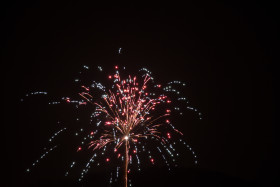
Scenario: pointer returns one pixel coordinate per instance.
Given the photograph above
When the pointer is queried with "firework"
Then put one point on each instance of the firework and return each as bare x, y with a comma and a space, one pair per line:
125, 119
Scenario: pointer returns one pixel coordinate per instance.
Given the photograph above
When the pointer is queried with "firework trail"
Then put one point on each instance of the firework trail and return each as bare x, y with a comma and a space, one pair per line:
131, 122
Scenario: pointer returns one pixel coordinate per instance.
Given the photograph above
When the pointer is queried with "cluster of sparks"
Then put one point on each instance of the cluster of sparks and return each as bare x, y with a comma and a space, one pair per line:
132, 113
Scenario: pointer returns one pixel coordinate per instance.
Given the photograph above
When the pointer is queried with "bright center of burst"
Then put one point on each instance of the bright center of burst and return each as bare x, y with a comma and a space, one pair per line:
126, 137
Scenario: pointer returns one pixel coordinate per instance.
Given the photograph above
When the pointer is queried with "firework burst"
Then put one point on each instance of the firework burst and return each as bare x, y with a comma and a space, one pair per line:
124, 119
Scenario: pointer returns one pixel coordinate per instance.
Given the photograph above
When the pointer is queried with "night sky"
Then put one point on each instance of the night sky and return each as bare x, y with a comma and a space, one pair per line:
224, 51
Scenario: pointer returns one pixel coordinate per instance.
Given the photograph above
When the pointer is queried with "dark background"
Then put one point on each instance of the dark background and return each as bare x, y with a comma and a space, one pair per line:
225, 51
